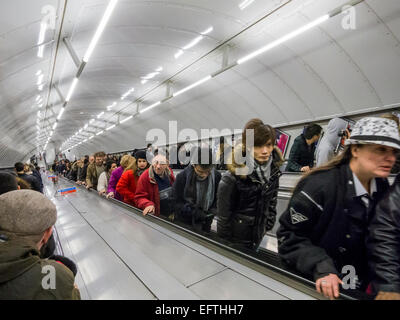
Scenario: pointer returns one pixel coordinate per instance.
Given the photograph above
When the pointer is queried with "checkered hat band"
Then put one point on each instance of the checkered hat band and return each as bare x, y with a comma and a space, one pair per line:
375, 138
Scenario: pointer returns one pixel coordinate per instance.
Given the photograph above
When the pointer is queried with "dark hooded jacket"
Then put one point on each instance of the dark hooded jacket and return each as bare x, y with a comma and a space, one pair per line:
247, 207
21, 275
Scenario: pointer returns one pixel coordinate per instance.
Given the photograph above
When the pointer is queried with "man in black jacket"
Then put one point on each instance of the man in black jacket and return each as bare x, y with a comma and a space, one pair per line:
195, 191
32, 180
384, 246
301, 158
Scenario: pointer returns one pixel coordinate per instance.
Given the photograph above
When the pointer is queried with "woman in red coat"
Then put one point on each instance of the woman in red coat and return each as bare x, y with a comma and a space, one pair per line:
126, 185
154, 188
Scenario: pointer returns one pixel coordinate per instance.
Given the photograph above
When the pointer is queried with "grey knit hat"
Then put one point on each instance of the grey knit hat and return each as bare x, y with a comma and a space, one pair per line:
376, 131
26, 213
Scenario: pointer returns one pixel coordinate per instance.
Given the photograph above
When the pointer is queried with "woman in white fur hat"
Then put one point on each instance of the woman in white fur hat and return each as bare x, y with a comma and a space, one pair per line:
323, 231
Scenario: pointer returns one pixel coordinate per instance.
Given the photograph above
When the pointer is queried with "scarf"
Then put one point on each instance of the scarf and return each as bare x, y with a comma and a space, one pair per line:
205, 201
262, 171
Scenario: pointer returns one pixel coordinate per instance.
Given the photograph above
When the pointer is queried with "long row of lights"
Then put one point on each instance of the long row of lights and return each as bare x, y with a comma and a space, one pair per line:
106, 16
192, 43
144, 80
247, 57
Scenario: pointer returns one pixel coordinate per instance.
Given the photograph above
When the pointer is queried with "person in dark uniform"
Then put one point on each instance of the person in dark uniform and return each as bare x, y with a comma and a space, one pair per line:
324, 227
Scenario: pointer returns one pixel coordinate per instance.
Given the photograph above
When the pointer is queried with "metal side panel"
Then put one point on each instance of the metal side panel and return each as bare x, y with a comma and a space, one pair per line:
247, 272
67, 252
230, 285
104, 274
101, 274
179, 260
158, 280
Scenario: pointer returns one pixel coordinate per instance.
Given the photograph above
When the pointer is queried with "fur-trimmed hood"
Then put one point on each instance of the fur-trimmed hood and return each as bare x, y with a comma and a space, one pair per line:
239, 153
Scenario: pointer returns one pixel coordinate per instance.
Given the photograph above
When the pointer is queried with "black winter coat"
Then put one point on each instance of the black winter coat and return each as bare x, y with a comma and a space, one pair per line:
37, 175
301, 155
184, 193
384, 242
320, 231
32, 180
246, 207
83, 173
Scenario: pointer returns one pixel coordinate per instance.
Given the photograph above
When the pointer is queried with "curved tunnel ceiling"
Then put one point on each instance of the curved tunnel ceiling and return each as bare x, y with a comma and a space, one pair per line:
156, 46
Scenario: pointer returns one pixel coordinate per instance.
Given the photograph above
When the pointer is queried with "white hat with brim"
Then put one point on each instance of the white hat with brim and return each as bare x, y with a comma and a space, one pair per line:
373, 130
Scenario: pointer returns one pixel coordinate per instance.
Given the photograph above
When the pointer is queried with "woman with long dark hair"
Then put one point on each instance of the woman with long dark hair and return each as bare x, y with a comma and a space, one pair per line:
325, 226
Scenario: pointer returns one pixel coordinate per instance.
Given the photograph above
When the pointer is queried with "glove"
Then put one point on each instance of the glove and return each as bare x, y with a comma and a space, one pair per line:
66, 262
270, 222
187, 210
200, 215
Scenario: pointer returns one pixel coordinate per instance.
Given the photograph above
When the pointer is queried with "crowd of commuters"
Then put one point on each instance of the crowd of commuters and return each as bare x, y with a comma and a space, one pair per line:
342, 212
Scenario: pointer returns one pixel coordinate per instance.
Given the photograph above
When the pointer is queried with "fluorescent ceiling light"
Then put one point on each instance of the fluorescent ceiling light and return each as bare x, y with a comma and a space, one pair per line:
111, 106
61, 113
100, 29
85, 140
193, 43
38, 98
150, 75
100, 115
178, 54
159, 69
39, 72
86, 125
91, 137
40, 79
40, 51
55, 126
111, 127
284, 39
72, 89
150, 107
40, 87
245, 4
80, 130
42, 33
144, 81
207, 31
192, 86
126, 94
99, 133
126, 119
